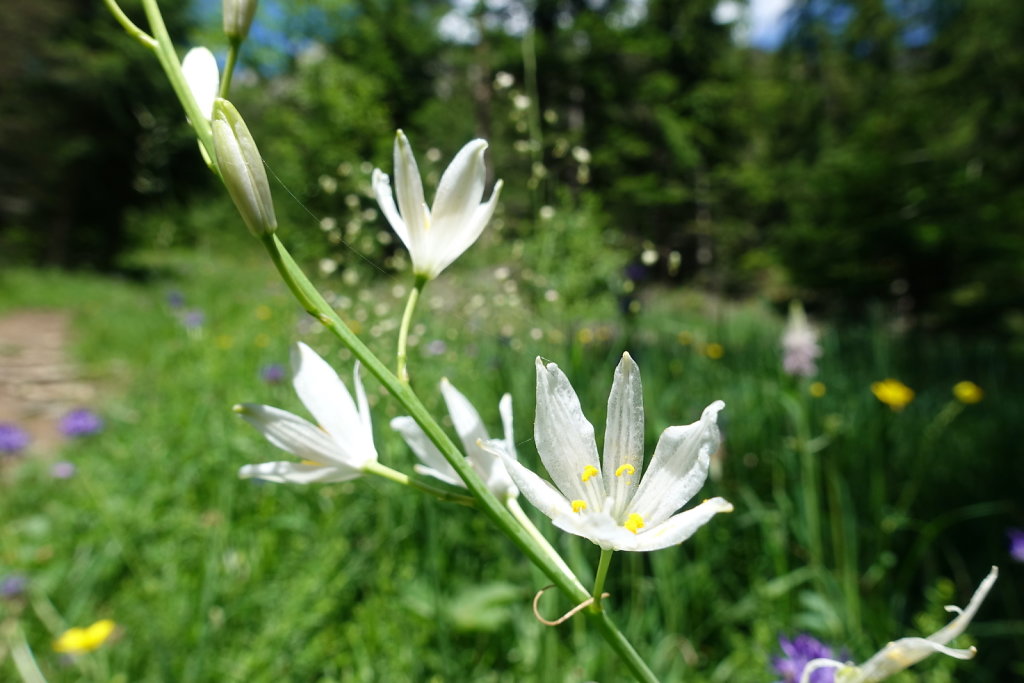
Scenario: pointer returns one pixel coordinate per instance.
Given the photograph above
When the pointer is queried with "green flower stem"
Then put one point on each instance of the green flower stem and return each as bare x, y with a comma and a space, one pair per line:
403, 332
315, 305
229, 68
512, 503
129, 27
602, 572
380, 470
168, 57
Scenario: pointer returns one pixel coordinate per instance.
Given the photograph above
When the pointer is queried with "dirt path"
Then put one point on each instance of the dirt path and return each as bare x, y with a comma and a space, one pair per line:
38, 381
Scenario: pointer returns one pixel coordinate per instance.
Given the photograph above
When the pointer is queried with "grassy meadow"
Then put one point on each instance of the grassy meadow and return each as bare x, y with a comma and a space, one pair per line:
854, 522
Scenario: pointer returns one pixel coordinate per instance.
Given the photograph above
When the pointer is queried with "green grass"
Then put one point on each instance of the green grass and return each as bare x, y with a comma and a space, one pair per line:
211, 578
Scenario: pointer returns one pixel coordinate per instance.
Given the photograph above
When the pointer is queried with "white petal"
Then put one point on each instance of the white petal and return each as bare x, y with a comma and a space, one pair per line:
903, 653
461, 186
202, 77
409, 191
565, 440
465, 417
678, 468
363, 406
325, 395
624, 436
540, 493
386, 202
676, 529
957, 626
293, 434
296, 473
463, 238
435, 464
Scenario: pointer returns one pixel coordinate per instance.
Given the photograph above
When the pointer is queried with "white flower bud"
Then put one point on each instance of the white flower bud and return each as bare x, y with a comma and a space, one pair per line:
241, 168
238, 18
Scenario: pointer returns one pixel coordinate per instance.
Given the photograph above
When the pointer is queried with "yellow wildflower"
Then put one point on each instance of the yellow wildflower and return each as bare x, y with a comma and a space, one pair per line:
893, 393
714, 350
968, 392
817, 389
78, 640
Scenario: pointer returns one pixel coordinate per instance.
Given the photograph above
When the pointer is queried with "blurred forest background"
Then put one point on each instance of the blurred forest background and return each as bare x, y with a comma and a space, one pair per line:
673, 179
872, 155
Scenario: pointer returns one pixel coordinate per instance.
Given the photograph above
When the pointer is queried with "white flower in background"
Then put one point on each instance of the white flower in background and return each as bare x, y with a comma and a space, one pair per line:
202, 77
436, 236
906, 652
607, 501
800, 348
337, 449
473, 434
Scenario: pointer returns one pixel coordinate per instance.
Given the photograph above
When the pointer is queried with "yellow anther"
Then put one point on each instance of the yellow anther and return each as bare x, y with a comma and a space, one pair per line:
625, 469
311, 463
589, 471
634, 522
579, 505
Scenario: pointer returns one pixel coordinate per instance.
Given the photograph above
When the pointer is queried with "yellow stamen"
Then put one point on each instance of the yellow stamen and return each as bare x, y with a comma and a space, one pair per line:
588, 472
634, 522
311, 463
579, 505
625, 469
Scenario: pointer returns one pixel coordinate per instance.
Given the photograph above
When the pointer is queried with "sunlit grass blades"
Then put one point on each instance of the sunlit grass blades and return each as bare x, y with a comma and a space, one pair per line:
607, 501
338, 449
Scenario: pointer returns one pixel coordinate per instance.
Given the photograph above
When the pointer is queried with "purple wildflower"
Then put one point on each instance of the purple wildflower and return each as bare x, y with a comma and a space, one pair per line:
175, 299
436, 347
272, 373
795, 655
13, 439
13, 586
194, 319
80, 422
1016, 543
800, 347
62, 470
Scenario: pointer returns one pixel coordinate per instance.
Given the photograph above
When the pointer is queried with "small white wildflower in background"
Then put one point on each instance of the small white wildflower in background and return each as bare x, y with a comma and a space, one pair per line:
800, 348
435, 237
606, 501
337, 449
503, 80
521, 102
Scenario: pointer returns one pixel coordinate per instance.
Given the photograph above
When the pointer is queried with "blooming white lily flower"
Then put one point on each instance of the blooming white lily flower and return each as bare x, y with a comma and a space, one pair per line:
473, 434
602, 501
336, 450
906, 652
202, 77
436, 236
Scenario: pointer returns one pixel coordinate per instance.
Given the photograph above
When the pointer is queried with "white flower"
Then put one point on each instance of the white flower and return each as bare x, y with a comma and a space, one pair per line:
602, 501
437, 236
906, 652
337, 449
202, 77
800, 348
473, 434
